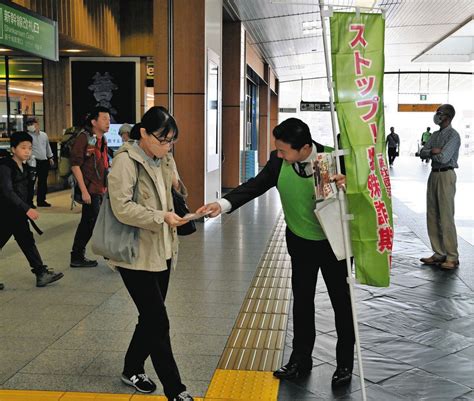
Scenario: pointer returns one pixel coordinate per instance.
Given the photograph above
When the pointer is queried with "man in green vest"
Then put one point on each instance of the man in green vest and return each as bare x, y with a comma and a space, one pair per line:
290, 170
424, 139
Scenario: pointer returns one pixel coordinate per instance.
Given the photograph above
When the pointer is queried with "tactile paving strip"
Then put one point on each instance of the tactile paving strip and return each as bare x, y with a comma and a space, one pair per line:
258, 337
242, 385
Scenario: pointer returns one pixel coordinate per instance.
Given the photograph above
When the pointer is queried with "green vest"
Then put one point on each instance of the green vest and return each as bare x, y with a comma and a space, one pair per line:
298, 202
426, 135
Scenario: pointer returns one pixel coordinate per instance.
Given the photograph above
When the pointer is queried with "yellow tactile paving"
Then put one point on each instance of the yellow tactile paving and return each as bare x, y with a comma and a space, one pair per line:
245, 385
96, 397
27, 395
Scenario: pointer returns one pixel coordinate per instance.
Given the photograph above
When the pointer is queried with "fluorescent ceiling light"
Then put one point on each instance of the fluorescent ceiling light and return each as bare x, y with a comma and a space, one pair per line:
26, 90
310, 31
309, 24
73, 50
364, 3
4, 50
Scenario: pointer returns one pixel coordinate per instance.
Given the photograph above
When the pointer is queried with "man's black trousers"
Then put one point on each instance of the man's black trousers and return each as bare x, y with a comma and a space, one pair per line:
307, 258
86, 225
42, 171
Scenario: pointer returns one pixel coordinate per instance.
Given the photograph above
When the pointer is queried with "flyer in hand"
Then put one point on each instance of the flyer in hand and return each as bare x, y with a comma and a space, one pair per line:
324, 169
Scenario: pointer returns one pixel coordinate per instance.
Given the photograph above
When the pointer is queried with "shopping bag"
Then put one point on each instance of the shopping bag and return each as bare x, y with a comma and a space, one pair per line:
328, 212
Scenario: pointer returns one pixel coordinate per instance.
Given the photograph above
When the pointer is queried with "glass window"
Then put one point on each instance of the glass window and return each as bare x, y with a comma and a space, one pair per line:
25, 67
3, 109
25, 93
3, 73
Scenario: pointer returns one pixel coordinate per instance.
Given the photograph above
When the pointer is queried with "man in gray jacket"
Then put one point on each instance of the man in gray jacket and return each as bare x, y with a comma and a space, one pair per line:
443, 150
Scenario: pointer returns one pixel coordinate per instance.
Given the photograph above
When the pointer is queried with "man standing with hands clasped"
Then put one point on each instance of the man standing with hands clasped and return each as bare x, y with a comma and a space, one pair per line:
43, 158
291, 171
443, 150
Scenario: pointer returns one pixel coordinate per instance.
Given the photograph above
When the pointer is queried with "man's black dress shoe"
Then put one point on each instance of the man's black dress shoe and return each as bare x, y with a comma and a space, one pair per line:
341, 377
291, 370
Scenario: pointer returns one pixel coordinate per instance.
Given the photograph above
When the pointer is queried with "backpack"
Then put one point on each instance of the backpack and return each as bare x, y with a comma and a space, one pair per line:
67, 142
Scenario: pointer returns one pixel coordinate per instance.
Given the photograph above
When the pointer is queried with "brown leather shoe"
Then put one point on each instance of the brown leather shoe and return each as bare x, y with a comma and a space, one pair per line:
450, 264
432, 260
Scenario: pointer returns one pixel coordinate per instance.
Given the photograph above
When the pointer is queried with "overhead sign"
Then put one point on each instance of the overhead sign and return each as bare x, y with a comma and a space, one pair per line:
287, 109
315, 106
24, 30
419, 107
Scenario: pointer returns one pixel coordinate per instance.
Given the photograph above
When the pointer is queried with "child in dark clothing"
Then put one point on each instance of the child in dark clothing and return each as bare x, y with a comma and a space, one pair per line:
15, 210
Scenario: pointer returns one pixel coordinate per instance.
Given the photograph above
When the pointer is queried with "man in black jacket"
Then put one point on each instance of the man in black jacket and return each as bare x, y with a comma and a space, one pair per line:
290, 170
15, 209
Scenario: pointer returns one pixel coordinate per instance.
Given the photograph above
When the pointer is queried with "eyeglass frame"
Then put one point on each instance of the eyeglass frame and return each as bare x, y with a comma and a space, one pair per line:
163, 141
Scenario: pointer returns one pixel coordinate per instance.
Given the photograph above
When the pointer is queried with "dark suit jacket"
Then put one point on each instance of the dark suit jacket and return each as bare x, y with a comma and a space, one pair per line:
266, 179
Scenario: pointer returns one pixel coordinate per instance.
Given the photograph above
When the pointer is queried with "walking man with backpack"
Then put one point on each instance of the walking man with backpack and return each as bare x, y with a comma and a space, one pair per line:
15, 211
89, 164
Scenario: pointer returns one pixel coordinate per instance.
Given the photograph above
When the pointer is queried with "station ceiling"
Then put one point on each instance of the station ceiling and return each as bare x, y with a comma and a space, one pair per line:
420, 35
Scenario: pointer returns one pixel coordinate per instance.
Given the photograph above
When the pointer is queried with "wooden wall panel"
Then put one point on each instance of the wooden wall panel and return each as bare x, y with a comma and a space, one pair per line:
160, 48
231, 147
88, 22
232, 117
231, 64
189, 150
189, 51
273, 83
273, 116
136, 27
56, 97
254, 60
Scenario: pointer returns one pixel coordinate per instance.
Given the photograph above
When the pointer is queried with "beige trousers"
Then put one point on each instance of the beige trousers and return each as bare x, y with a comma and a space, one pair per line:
440, 214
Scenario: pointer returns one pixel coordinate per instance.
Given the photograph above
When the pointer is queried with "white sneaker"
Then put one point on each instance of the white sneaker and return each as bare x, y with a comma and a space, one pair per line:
184, 396
141, 382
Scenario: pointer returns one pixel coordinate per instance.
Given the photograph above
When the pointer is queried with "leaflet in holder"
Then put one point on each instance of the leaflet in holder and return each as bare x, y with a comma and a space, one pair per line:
195, 216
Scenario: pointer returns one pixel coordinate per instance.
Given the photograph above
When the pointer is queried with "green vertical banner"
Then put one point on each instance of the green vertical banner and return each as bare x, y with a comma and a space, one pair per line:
357, 51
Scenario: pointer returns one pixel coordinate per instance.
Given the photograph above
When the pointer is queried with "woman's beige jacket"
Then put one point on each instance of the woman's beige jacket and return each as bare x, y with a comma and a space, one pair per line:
147, 212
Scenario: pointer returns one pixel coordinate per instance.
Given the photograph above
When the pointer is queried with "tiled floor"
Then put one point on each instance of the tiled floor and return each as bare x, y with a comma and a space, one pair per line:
417, 335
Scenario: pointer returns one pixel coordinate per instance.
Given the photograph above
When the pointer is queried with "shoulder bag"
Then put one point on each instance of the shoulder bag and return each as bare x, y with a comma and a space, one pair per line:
113, 239
181, 209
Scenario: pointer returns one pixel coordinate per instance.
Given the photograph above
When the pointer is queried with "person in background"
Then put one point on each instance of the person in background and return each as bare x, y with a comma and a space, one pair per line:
89, 164
15, 211
424, 139
146, 165
443, 151
290, 170
393, 145
124, 132
43, 161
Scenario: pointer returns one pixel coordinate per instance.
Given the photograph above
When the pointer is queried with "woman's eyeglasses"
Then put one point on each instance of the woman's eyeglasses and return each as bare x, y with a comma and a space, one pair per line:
164, 141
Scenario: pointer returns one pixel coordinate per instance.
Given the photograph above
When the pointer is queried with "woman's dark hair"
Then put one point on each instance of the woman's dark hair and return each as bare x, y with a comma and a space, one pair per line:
135, 131
294, 132
18, 137
156, 119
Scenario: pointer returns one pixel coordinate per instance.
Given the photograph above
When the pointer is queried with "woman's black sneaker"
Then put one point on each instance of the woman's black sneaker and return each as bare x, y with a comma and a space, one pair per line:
141, 382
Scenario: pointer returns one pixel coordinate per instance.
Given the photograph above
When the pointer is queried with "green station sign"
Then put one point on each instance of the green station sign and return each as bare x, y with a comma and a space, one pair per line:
31, 33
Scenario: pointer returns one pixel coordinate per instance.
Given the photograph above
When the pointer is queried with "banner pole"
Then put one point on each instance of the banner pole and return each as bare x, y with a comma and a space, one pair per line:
342, 204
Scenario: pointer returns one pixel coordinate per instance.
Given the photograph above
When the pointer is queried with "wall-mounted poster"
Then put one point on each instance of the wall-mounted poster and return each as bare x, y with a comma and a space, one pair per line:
110, 84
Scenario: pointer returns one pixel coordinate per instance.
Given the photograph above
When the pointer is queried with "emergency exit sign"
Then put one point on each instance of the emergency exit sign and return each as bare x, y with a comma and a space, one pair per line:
31, 33
423, 97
